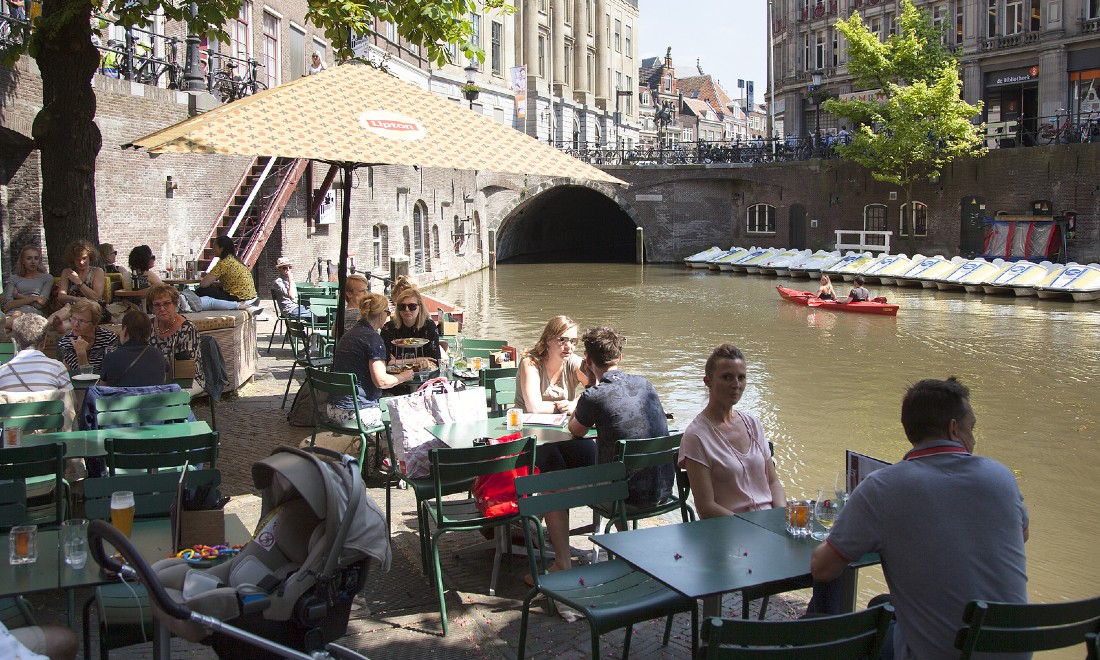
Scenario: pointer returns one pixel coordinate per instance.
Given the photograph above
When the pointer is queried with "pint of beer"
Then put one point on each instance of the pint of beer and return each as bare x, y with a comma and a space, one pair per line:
122, 511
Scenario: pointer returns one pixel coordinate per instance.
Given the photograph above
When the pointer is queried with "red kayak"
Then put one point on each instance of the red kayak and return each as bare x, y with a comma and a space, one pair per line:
875, 306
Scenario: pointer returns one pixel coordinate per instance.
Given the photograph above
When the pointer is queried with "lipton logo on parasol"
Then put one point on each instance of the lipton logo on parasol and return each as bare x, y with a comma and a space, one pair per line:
391, 125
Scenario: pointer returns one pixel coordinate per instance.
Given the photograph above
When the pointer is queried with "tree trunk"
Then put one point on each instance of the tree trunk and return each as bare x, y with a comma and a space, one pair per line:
910, 236
64, 131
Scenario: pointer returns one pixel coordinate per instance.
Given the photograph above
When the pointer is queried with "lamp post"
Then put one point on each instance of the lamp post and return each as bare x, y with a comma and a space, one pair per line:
619, 93
817, 96
470, 90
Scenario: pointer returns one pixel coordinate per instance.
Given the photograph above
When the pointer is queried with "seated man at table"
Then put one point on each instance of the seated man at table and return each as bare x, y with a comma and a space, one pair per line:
950, 526
621, 406
54, 642
30, 370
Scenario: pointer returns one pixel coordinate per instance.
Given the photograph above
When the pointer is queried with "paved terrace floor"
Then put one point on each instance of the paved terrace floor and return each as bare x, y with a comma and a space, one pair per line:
396, 615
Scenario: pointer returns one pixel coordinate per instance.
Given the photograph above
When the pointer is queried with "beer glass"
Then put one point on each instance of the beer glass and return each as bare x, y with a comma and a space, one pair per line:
514, 419
122, 511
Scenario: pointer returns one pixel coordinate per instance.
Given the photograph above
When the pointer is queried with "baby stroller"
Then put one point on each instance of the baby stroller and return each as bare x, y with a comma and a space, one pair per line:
293, 583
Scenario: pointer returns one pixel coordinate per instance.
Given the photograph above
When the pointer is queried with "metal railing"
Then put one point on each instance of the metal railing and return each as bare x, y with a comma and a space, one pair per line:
135, 59
1065, 127
777, 150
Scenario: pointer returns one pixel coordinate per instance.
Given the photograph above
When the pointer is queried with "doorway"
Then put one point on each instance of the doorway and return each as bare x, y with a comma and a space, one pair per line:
796, 227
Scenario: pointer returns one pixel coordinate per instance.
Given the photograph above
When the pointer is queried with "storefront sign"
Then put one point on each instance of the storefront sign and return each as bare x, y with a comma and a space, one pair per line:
868, 95
1013, 76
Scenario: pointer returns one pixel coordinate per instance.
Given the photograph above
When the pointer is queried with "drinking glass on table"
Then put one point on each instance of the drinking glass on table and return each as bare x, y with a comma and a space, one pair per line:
825, 514
122, 511
74, 542
840, 487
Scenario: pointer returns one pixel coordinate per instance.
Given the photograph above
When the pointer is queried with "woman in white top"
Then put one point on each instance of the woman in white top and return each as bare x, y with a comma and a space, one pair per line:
549, 378
316, 63
724, 450
29, 287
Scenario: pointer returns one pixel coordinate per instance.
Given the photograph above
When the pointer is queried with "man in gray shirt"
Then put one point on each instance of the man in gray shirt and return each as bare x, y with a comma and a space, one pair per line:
950, 526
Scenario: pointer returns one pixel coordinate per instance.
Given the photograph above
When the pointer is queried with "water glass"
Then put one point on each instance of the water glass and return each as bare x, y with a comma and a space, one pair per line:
85, 369
74, 542
514, 419
23, 544
800, 520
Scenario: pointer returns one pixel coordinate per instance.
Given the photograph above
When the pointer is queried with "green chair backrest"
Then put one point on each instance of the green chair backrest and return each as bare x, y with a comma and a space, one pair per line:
650, 452
494, 345
33, 415
332, 382
307, 292
856, 635
153, 493
152, 454
454, 469
1023, 627
15, 613
163, 407
483, 353
562, 490
7, 351
502, 393
13, 504
487, 376
21, 464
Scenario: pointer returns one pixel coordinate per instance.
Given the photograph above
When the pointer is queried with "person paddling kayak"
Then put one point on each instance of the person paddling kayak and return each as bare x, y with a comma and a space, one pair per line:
858, 293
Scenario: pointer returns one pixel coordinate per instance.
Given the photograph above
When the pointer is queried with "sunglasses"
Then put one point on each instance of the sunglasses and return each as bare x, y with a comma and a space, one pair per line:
407, 307
572, 341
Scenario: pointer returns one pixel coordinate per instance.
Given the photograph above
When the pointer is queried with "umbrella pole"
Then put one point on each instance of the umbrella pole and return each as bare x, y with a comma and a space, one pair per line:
342, 273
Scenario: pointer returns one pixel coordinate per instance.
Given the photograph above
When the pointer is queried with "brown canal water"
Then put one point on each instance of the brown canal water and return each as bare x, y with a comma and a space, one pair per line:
823, 382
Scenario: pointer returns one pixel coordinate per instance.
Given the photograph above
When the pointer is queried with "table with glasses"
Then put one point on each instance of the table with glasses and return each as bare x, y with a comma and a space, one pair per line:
460, 435
90, 444
718, 555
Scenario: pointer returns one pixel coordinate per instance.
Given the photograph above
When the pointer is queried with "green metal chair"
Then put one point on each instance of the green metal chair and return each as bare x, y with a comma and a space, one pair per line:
610, 594
494, 345
452, 470
123, 610
856, 635
307, 354
15, 612
40, 470
34, 415
7, 351
280, 322
487, 378
502, 395
1023, 627
335, 383
141, 409
639, 455
129, 455
13, 504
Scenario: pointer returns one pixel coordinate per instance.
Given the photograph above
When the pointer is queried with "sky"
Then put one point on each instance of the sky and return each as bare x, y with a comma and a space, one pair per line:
729, 37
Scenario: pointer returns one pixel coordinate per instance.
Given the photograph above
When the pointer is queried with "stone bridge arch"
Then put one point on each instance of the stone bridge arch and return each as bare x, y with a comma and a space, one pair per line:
569, 220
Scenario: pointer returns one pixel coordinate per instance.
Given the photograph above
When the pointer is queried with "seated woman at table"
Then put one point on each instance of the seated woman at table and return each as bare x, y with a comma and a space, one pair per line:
229, 279
87, 343
825, 291
28, 289
80, 280
724, 450
109, 254
411, 321
136, 363
175, 336
550, 378
355, 287
142, 276
361, 351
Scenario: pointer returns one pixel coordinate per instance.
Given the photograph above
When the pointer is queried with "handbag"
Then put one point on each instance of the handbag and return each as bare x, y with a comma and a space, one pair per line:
410, 417
495, 494
183, 369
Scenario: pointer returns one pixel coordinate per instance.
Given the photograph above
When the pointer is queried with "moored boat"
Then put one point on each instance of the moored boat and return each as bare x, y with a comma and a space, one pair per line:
929, 278
883, 270
911, 276
723, 261
878, 306
1020, 275
1079, 282
699, 259
753, 259
849, 266
973, 270
779, 264
811, 266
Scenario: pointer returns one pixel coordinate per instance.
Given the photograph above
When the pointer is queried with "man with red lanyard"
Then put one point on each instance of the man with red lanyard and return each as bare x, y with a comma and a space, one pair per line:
950, 526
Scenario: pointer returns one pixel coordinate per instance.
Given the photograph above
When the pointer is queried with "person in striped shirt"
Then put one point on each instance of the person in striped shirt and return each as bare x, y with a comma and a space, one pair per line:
30, 370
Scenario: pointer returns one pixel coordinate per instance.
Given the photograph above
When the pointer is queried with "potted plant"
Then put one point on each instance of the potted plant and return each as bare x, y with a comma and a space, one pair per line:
469, 89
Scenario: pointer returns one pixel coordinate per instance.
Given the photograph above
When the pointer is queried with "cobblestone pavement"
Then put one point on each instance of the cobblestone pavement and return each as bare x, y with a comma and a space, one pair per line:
397, 616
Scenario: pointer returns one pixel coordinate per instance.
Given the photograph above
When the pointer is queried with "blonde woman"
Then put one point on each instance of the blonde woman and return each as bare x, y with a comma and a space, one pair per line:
28, 290
550, 377
825, 291
410, 320
361, 351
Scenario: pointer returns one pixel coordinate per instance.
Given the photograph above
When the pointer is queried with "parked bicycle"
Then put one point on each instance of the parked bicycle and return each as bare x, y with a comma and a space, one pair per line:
134, 60
228, 86
1057, 130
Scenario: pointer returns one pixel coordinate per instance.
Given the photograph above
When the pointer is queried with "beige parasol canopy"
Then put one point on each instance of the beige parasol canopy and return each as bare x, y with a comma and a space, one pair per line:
356, 114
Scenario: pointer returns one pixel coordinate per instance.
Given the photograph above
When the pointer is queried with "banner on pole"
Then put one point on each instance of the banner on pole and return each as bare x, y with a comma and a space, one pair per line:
519, 89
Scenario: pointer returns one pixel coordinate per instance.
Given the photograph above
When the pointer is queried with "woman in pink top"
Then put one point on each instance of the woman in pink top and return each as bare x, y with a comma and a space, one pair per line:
724, 450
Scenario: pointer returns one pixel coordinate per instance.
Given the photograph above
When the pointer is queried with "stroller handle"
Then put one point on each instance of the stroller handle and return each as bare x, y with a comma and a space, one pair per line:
100, 530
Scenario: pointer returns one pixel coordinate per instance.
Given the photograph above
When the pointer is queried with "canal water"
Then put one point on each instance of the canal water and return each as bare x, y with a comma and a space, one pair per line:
823, 382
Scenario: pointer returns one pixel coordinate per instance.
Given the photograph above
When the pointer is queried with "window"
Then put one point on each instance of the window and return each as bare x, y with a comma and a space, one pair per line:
566, 65
629, 99
760, 219
618, 36
420, 222
991, 19
542, 6
591, 72
297, 53
435, 241
891, 23
876, 27
391, 32
959, 14
668, 82
920, 219
405, 236
643, 98
874, 219
834, 56
618, 80
591, 17
498, 53
271, 50
1036, 16
629, 43
1093, 9
687, 134
477, 231
1014, 17
321, 48
475, 22
820, 42
240, 45
376, 246
542, 56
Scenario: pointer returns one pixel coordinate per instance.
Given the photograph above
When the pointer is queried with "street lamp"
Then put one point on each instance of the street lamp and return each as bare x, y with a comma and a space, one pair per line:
817, 96
470, 90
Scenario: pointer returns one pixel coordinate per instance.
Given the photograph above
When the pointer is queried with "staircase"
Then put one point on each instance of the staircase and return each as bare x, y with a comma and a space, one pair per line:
254, 208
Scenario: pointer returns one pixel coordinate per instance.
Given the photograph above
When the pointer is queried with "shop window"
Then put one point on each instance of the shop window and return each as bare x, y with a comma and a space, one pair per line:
760, 219
919, 217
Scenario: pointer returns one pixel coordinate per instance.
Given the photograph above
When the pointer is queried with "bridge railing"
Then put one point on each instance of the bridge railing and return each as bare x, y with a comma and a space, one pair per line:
864, 241
703, 152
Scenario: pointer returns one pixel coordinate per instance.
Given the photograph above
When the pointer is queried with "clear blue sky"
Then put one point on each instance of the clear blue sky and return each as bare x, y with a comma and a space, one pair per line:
729, 37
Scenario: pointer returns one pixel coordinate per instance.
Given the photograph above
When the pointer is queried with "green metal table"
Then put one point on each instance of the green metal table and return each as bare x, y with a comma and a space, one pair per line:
42, 575
87, 444
461, 435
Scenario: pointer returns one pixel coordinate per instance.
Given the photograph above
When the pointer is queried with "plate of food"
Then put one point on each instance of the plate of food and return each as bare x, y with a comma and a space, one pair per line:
410, 342
85, 377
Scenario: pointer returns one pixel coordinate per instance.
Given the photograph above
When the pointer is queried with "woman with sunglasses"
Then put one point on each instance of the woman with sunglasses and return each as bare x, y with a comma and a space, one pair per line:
410, 320
550, 377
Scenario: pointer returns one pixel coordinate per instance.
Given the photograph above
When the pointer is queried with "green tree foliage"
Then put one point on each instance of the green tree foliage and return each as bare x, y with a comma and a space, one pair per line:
60, 41
920, 123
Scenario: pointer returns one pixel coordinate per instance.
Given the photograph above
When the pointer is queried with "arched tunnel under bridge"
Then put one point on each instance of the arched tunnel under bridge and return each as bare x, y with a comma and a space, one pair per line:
567, 224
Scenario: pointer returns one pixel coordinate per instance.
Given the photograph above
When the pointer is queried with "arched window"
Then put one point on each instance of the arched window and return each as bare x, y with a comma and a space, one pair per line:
576, 134
376, 246
599, 135
760, 219
435, 241
419, 228
477, 232
874, 219
919, 217
405, 236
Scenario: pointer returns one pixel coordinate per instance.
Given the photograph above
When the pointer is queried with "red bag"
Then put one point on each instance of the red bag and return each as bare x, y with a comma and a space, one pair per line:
495, 494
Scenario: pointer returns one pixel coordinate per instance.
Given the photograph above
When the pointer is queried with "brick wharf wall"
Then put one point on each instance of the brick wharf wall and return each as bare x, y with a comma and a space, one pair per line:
687, 208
